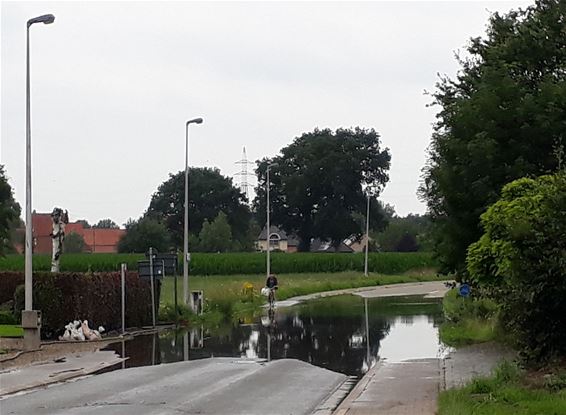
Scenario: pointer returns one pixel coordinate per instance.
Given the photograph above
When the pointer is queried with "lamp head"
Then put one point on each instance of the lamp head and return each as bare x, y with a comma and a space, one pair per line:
195, 121
45, 19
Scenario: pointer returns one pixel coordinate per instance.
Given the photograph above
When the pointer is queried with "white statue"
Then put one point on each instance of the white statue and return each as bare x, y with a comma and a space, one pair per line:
59, 219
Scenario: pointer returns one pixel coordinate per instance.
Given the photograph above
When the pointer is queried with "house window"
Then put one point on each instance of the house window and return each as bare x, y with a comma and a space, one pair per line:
274, 241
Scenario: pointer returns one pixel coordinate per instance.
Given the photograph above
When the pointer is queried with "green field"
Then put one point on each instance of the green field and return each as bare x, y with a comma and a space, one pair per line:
228, 291
238, 263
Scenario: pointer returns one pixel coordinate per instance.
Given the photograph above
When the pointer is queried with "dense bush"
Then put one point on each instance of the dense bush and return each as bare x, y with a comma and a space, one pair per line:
521, 262
8, 283
238, 263
6, 317
95, 297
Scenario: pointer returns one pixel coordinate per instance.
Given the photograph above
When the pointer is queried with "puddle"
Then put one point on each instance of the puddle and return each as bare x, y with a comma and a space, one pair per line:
331, 332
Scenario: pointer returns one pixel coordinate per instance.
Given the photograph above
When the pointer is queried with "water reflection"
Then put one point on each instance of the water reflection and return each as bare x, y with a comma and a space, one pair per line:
346, 334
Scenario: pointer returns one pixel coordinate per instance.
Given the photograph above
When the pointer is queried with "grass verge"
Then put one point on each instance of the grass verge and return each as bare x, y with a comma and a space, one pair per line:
510, 391
468, 320
11, 330
239, 294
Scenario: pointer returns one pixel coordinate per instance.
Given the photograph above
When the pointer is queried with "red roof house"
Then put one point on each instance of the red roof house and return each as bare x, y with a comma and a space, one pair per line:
97, 240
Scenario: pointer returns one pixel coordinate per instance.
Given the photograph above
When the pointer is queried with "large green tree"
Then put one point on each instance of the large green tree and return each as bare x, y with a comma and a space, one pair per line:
209, 194
9, 213
498, 121
520, 261
216, 236
318, 184
143, 234
410, 228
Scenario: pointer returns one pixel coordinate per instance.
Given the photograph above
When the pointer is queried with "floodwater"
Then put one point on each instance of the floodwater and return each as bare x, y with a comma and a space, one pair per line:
346, 334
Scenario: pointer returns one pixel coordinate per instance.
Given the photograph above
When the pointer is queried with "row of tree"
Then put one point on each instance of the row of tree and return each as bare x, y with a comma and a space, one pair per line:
318, 184
501, 119
318, 187
495, 182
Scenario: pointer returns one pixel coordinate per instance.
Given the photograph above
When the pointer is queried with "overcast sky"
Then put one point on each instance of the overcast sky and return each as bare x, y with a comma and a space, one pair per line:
114, 82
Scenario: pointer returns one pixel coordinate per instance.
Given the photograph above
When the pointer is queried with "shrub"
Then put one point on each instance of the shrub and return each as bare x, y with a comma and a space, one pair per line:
167, 313
6, 317
95, 297
521, 262
74, 243
8, 283
19, 299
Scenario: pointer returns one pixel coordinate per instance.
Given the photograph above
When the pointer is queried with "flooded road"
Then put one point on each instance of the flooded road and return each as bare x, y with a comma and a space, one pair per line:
345, 334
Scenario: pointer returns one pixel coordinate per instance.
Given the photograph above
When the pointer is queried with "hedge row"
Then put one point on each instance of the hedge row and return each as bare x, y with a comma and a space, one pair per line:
238, 263
95, 297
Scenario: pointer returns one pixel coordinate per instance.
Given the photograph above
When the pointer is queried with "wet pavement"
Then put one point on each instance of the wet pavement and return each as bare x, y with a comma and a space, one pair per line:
429, 289
332, 333
41, 374
389, 343
208, 386
395, 388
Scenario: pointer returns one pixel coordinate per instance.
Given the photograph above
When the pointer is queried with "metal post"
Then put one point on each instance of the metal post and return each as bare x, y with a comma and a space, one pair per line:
31, 319
268, 227
123, 354
175, 295
153, 350
186, 223
123, 281
186, 297
367, 240
29, 236
367, 330
186, 346
152, 287
268, 346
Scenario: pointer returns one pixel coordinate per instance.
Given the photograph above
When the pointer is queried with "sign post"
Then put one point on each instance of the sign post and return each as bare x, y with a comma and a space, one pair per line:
152, 287
123, 282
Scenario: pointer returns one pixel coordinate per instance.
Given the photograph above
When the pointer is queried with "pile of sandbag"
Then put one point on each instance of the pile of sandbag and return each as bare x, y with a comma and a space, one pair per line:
77, 331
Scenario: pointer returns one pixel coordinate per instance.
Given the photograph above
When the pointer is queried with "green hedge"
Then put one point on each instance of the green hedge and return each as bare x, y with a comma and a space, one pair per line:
238, 263
95, 297
8, 283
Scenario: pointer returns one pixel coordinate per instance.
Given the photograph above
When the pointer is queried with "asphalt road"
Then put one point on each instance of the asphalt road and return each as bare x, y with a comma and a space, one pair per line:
210, 386
430, 289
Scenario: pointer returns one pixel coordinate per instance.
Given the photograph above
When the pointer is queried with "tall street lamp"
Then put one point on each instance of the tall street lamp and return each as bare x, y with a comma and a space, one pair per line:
30, 318
186, 225
367, 238
267, 182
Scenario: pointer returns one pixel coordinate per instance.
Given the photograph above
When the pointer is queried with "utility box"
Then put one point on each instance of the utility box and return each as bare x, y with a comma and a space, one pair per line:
197, 301
31, 319
31, 323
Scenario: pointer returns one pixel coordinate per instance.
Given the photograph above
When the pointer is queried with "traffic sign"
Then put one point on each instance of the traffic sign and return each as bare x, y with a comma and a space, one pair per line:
464, 290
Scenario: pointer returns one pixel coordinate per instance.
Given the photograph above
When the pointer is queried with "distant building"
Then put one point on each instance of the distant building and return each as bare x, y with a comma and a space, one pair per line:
97, 240
326, 246
280, 241
357, 245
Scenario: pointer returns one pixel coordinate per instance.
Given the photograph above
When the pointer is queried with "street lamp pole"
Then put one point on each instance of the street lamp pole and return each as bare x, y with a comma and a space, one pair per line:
186, 223
268, 225
30, 319
367, 239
